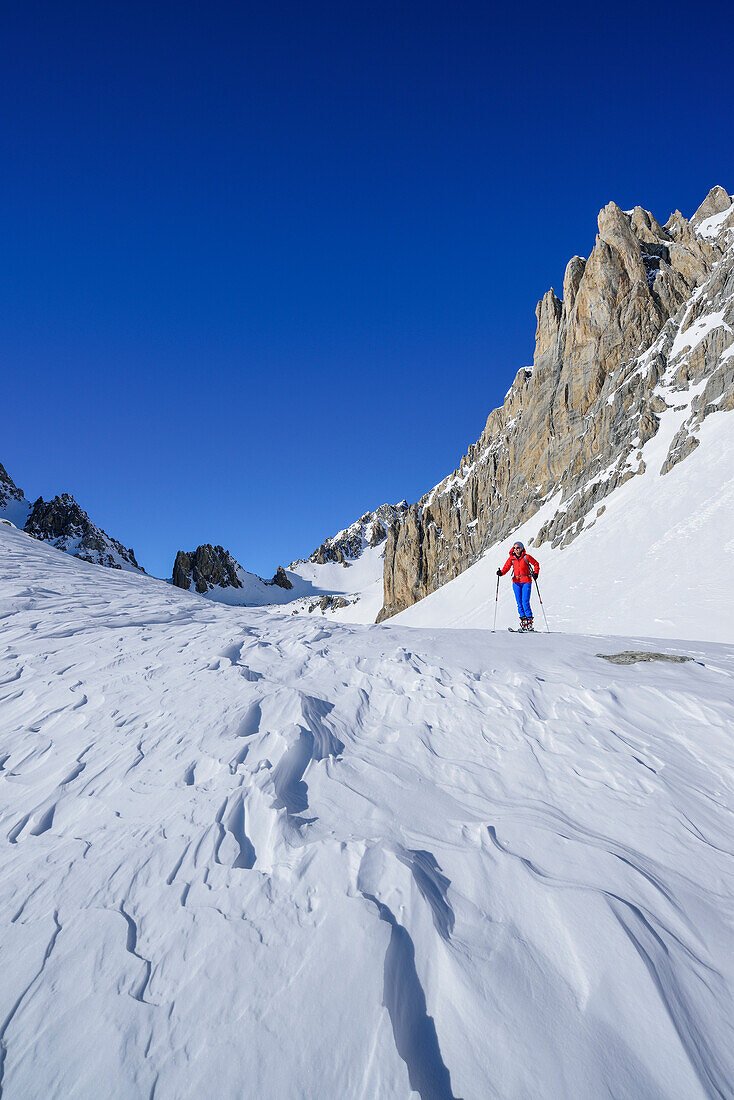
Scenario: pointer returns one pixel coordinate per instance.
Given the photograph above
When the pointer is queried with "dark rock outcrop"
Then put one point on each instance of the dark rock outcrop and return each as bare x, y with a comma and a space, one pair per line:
329, 603
68, 527
281, 578
205, 568
8, 489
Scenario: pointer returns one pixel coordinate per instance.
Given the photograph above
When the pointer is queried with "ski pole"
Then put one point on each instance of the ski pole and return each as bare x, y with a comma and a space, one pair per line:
537, 588
496, 598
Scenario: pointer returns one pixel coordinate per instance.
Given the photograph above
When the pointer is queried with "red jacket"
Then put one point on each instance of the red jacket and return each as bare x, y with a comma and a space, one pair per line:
520, 567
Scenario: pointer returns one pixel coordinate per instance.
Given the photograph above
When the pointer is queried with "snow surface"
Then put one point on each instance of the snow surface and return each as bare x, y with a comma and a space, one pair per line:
657, 561
255, 854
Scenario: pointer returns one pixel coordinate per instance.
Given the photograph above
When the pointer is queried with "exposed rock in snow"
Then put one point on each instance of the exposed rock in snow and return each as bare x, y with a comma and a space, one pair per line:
68, 527
632, 656
206, 568
211, 571
646, 324
328, 603
281, 578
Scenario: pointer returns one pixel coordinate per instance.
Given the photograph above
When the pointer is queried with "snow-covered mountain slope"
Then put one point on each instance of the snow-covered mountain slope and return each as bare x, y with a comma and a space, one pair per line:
342, 578
658, 560
358, 581
65, 525
347, 566
262, 855
645, 330
365, 533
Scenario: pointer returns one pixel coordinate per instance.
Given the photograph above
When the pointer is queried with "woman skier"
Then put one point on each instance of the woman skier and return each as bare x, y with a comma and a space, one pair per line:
524, 568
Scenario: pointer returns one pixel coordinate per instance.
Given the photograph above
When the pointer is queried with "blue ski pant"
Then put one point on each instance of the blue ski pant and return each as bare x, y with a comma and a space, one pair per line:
522, 595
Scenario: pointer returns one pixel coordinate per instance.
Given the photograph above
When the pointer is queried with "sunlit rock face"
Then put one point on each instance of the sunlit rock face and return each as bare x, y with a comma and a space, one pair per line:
644, 324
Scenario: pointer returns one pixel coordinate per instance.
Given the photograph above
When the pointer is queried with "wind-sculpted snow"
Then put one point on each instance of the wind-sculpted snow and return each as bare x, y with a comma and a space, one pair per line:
248, 854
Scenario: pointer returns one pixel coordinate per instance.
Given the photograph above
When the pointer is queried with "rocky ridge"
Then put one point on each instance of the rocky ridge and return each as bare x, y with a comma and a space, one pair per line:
205, 568
369, 530
64, 524
68, 527
644, 324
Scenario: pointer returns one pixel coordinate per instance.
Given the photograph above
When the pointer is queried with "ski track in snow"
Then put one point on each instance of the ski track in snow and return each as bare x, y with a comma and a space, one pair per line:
254, 854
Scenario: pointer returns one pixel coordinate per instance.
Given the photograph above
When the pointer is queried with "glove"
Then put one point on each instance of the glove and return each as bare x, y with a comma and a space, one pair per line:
499, 572
533, 573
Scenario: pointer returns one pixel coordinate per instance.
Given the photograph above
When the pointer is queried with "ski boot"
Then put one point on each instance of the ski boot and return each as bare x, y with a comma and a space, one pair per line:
529, 625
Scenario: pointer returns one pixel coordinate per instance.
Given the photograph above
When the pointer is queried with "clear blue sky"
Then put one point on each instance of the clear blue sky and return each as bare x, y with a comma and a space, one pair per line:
266, 266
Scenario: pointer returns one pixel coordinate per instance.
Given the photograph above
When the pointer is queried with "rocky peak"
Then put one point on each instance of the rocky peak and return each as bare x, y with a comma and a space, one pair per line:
609, 359
57, 518
205, 568
8, 488
574, 271
716, 202
209, 568
66, 526
548, 313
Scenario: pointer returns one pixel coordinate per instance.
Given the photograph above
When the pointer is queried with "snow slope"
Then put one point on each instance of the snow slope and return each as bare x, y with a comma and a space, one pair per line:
255, 854
359, 581
347, 565
253, 591
659, 560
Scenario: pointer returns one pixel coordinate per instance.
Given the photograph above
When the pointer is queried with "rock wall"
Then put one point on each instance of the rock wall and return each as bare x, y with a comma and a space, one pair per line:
610, 355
